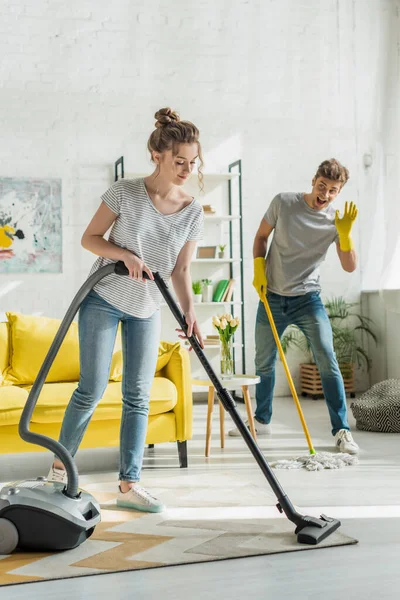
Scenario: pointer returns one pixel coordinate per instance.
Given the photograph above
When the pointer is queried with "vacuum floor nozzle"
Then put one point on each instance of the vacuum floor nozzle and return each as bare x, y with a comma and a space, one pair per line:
317, 530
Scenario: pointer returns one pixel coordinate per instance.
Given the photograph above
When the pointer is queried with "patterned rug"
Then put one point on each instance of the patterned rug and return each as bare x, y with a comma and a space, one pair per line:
190, 531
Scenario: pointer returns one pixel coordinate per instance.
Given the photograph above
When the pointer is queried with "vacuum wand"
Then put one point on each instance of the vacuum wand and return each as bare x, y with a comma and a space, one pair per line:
309, 530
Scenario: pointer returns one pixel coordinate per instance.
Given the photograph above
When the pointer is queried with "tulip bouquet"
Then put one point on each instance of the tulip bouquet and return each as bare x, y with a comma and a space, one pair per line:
226, 326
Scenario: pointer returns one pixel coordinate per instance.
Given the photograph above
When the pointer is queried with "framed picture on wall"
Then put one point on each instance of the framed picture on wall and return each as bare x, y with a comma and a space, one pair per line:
206, 252
30, 225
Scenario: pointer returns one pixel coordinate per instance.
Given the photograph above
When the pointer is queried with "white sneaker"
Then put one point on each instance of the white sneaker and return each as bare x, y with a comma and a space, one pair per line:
139, 499
261, 429
344, 441
57, 475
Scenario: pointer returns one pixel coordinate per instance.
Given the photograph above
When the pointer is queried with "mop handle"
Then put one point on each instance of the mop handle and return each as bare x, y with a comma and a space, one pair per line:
288, 375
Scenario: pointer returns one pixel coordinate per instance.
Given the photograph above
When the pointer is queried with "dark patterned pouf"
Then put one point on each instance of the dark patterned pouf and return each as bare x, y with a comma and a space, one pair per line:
378, 409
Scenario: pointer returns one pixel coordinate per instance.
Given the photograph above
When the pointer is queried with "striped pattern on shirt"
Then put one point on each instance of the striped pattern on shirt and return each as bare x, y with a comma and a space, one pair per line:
156, 238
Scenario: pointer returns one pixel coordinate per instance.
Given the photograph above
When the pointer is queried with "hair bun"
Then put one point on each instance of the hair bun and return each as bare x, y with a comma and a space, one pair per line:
165, 116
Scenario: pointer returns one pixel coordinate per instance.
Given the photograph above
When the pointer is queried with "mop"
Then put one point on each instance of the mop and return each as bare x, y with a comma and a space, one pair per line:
316, 461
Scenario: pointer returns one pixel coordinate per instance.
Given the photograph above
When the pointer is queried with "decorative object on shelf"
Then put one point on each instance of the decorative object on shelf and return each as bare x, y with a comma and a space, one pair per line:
208, 209
220, 290
227, 297
197, 287
221, 253
226, 326
348, 328
207, 290
206, 252
211, 340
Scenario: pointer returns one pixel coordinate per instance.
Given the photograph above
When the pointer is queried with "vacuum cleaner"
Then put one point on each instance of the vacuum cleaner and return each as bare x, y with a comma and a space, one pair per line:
39, 515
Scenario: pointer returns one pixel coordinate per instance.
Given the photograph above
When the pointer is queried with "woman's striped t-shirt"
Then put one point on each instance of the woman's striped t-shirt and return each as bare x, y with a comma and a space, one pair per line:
156, 238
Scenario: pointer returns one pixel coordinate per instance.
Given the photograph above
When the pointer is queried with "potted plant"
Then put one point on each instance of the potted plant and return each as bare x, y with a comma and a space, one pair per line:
349, 329
221, 253
207, 290
197, 287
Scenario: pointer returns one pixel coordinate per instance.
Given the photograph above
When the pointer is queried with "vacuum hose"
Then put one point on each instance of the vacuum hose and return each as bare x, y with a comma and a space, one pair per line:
37, 438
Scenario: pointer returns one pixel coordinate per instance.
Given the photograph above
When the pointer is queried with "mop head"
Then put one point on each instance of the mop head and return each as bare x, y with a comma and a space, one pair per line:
317, 462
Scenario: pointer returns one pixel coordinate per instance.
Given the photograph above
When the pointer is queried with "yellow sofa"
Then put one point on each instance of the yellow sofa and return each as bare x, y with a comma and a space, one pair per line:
24, 341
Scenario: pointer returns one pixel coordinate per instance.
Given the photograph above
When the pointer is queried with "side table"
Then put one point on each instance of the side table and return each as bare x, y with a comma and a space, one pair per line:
235, 382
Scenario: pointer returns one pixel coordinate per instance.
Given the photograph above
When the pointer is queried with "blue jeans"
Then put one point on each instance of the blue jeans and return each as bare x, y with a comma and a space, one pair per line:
98, 324
309, 314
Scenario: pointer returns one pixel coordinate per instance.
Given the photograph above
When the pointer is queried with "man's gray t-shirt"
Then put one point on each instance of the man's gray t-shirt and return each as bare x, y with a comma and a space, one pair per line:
300, 242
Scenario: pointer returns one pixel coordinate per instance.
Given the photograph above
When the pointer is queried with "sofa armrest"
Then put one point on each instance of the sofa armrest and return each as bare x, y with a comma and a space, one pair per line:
179, 372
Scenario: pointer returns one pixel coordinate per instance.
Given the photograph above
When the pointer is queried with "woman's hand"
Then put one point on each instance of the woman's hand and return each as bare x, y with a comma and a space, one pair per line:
136, 266
193, 329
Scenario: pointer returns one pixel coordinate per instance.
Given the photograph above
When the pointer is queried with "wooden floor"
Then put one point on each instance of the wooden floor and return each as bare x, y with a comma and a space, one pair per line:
366, 498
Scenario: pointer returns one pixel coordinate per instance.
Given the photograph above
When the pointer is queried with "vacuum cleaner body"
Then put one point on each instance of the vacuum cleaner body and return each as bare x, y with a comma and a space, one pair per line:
44, 518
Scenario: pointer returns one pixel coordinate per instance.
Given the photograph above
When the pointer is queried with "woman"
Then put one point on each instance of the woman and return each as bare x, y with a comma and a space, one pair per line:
155, 226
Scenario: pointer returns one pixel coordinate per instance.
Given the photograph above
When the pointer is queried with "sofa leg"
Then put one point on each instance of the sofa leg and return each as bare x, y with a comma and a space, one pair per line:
150, 446
182, 451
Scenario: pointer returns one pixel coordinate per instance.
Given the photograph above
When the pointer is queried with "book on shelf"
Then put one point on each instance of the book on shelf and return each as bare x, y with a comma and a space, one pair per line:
220, 290
227, 297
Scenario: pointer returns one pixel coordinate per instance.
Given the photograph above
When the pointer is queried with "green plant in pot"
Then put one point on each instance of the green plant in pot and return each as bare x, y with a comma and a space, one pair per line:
349, 330
197, 287
221, 253
207, 290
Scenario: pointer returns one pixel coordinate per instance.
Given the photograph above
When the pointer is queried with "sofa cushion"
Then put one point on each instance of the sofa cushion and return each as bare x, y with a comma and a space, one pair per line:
4, 348
54, 399
30, 338
12, 401
165, 351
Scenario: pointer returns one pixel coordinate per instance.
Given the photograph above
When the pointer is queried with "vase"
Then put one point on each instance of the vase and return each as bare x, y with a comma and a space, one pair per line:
226, 356
208, 293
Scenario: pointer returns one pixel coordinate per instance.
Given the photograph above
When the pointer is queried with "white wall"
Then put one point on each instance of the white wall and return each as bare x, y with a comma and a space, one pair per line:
280, 84
384, 354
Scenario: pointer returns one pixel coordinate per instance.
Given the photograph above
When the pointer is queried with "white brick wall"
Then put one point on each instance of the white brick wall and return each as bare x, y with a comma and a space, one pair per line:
280, 84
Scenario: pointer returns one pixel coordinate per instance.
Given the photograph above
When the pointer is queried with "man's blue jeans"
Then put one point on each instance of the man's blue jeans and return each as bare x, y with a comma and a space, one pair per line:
309, 314
98, 324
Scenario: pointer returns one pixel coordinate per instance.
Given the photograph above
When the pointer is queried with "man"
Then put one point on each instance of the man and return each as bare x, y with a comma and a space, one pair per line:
304, 226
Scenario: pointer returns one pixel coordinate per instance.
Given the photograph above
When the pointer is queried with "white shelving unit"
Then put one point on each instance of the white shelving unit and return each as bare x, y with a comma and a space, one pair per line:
214, 260
223, 227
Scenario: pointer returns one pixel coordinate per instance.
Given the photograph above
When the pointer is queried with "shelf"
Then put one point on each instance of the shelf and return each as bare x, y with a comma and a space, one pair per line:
196, 304
216, 260
206, 176
215, 346
216, 303
217, 218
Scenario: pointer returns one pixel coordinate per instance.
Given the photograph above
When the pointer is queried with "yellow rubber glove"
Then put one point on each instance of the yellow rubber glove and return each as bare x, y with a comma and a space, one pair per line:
260, 277
344, 225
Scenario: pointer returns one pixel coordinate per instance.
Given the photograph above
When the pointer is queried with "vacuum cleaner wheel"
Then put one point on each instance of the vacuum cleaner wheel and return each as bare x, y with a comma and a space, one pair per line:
8, 536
